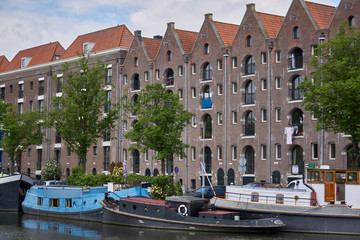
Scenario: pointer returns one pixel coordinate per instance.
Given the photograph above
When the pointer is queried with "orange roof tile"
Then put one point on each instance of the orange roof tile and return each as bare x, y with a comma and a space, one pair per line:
152, 45
272, 23
37, 55
3, 63
118, 36
227, 32
187, 39
322, 14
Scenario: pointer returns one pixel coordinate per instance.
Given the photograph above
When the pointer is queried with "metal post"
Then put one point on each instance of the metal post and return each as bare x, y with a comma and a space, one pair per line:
321, 39
271, 46
226, 55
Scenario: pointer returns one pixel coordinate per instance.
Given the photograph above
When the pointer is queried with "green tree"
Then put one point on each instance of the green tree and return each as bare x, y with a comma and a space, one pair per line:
333, 93
160, 122
51, 171
78, 116
21, 131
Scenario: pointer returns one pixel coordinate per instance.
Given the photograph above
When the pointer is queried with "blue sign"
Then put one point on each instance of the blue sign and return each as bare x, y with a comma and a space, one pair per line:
176, 169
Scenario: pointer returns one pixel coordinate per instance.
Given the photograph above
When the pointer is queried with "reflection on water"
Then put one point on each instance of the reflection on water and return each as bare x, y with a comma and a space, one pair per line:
16, 227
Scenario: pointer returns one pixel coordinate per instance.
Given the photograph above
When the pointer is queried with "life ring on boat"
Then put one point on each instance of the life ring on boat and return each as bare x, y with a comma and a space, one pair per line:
296, 198
182, 209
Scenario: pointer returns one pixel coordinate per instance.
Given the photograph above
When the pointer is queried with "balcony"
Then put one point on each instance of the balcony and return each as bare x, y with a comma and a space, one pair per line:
249, 130
249, 98
206, 103
249, 68
295, 94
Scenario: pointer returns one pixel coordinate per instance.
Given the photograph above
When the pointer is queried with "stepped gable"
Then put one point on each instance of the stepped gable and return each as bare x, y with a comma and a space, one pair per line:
36, 55
272, 23
3, 63
227, 32
187, 39
321, 13
109, 38
152, 45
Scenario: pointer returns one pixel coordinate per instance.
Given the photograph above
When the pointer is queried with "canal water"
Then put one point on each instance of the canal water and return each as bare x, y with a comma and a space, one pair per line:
15, 226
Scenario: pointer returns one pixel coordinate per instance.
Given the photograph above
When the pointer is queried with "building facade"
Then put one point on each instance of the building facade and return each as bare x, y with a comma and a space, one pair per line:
240, 81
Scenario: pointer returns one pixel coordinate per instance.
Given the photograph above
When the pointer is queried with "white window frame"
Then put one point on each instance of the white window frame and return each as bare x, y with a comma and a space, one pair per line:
234, 87
263, 84
125, 79
219, 89
332, 145
146, 155
180, 92
313, 147
313, 50
234, 152
277, 114
157, 74
277, 151
263, 152
193, 92
219, 153
263, 115
193, 153
193, 68
234, 117
234, 62
219, 118
181, 71
193, 121
278, 83
263, 58
219, 64
278, 56
146, 76
125, 154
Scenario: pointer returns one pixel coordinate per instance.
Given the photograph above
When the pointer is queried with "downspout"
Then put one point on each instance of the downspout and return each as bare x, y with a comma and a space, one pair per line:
226, 54
119, 75
271, 46
117, 150
186, 61
151, 153
322, 38
48, 105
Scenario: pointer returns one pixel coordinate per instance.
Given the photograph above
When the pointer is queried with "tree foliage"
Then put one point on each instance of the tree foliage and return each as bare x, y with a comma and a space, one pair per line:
333, 93
160, 122
21, 131
51, 171
78, 116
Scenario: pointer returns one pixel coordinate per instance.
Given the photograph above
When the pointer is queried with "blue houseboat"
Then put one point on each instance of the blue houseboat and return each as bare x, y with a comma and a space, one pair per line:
81, 203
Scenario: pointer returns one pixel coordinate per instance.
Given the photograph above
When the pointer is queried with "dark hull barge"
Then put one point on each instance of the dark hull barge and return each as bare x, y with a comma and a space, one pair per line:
180, 213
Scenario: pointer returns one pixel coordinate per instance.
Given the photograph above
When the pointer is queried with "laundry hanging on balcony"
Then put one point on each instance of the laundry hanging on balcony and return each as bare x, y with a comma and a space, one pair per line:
289, 131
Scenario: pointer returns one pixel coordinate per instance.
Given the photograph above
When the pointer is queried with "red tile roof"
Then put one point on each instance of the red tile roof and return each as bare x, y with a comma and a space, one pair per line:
118, 36
187, 39
152, 45
227, 32
322, 14
3, 63
40, 54
272, 23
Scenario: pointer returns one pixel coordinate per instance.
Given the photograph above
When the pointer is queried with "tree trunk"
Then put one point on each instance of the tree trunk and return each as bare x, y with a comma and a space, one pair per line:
355, 155
163, 167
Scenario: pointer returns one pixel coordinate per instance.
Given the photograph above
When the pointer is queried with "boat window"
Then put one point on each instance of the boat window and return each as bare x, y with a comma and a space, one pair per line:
279, 199
40, 201
134, 207
84, 203
68, 203
340, 177
329, 177
54, 202
351, 177
254, 197
313, 176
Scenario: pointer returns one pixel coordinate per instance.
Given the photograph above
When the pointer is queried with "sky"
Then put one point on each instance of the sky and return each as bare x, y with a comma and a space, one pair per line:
29, 23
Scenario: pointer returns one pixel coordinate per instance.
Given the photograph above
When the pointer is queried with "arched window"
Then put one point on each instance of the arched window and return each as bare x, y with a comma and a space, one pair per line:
249, 65
67, 172
297, 121
206, 48
296, 32
169, 77
169, 165
94, 171
249, 41
28, 172
249, 124
136, 82
207, 123
156, 172
296, 93
296, 59
231, 176
136, 161
249, 93
297, 160
220, 174
250, 160
351, 21
206, 101
207, 72
169, 55
147, 172
135, 102
276, 177
207, 160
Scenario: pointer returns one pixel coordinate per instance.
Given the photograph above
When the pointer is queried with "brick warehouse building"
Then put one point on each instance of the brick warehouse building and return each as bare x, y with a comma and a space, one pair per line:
221, 75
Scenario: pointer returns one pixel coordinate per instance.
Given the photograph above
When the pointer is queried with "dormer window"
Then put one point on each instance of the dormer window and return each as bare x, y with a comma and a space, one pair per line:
206, 48
87, 47
25, 62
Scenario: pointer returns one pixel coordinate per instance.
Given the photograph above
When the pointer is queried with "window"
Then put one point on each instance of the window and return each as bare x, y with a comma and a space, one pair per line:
278, 56
41, 106
219, 152
108, 102
234, 87
20, 108
234, 62
278, 114
206, 101
106, 157
219, 118
249, 65
249, 93
314, 50
95, 150
351, 21
68, 151
107, 135
11, 88
125, 79
54, 202
29, 152
219, 89
125, 154
296, 31
40, 201
39, 159
136, 62
169, 77
255, 197
263, 115
157, 74
193, 92
279, 199
277, 151
206, 48
21, 90
249, 124
234, 117
234, 152
219, 64
68, 203
332, 150
278, 83
193, 68
2, 93
169, 55
263, 57
295, 91
207, 72
181, 70
193, 121
314, 151
146, 154
59, 84
146, 76
249, 41
193, 153
296, 59
207, 123
25, 62
41, 88
180, 91
263, 84
263, 152
108, 77
31, 108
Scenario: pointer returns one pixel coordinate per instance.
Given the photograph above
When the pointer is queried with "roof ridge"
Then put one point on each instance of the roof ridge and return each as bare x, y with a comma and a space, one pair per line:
176, 29
101, 30
42, 45
319, 4
227, 23
270, 14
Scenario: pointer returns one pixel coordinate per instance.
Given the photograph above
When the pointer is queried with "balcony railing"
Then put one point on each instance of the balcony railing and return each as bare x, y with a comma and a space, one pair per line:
249, 130
206, 103
249, 68
249, 98
296, 94
207, 75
